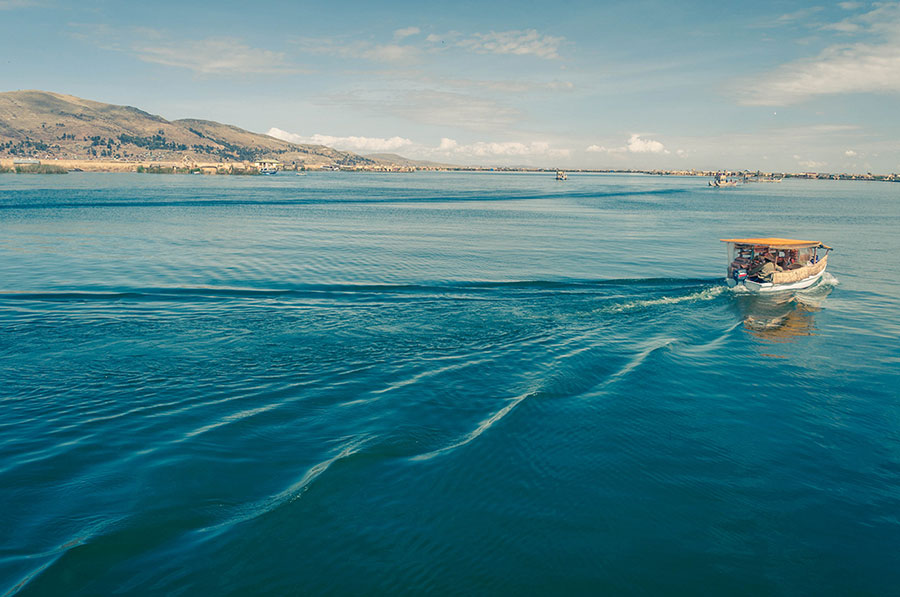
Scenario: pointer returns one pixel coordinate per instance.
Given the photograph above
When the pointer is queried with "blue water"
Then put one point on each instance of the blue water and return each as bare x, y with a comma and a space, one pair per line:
447, 383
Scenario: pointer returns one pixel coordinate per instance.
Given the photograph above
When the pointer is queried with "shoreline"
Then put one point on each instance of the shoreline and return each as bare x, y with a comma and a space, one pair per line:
135, 166
7, 164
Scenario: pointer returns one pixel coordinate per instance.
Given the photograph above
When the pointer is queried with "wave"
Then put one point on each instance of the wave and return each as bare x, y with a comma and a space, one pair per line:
290, 494
55, 554
218, 202
479, 429
200, 292
827, 280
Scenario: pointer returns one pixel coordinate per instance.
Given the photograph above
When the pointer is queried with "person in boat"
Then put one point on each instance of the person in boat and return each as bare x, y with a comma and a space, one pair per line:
755, 266
792, 259
768, 268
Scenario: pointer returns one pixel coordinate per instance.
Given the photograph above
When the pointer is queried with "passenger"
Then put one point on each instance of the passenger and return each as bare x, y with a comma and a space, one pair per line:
768, 269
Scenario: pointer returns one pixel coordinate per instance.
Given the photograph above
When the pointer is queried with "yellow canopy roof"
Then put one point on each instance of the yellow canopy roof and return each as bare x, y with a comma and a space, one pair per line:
776, 243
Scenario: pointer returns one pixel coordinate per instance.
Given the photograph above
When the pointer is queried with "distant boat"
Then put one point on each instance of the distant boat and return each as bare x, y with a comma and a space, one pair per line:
721, 180
775, 264
560, 175
267, 166
759, 178
301, 173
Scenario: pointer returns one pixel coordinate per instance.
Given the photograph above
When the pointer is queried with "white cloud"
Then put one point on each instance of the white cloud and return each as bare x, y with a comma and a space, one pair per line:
843, 27
850, 5
799, 15
509, 86
391, 53
604, 149
214, 56
635, 144
209, 56
871, 66
638, 145
858, 68
13, 4
812, 164
370, 144
828, 128
483, 149
429, 106
519, 43
406, 32
850, 153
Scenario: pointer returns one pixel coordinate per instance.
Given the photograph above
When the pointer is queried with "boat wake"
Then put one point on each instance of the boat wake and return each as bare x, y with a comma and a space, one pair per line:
212, 292
705, 294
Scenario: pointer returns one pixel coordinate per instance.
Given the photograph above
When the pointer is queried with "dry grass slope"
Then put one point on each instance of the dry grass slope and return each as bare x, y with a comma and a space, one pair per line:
49, 125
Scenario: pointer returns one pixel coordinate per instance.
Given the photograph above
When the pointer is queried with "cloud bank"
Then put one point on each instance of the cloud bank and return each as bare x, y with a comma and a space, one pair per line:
215, 56
870, 66
406, 32
635, 144
352, 143
13, 4
447, 148
518, 43
500, 149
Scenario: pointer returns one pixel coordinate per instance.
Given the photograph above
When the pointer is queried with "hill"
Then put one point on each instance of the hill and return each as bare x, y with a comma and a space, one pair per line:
399, 160
48, 125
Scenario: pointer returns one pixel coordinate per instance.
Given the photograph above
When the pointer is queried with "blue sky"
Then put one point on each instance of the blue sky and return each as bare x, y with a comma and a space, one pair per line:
791, 86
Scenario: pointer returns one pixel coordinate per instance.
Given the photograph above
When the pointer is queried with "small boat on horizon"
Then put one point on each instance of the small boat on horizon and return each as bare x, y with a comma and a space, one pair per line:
758, 178
775, 264
722, 180
560, 175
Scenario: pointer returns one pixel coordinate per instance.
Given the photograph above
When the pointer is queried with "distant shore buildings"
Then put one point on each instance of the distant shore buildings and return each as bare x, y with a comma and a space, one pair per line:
190, 164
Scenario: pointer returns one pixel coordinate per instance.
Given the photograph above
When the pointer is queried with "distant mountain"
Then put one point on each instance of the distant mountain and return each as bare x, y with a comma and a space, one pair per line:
51, 125
399, 160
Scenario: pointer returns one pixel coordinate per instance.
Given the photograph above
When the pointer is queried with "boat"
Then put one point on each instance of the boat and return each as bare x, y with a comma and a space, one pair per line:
762, 178
775, 264
268, 167
560, 175
722, 180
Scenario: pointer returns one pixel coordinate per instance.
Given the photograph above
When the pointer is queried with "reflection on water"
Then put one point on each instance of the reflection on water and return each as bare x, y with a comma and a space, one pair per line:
783, 316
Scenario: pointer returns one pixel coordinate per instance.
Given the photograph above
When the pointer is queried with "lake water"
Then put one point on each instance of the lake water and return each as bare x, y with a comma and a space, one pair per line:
447, 383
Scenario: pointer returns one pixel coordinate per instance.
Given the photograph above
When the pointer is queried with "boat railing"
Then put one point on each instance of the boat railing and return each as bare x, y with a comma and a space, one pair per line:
801, 273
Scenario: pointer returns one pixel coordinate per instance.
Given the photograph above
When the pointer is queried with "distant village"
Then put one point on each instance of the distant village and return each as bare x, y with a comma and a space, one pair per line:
190, 165
759, 176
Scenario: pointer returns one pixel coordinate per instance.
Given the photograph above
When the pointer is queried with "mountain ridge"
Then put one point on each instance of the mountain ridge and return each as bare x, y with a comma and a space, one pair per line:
48, 125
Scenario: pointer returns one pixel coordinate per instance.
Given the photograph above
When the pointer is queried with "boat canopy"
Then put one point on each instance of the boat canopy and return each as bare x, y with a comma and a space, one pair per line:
777, 243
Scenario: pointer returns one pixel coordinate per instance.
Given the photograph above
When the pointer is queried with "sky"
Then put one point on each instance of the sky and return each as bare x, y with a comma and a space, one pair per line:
772, 86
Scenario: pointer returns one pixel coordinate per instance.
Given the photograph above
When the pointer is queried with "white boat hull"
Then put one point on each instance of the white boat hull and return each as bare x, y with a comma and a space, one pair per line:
770, 287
